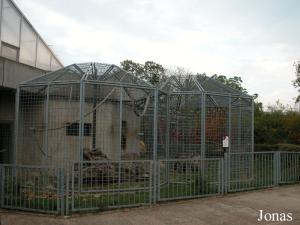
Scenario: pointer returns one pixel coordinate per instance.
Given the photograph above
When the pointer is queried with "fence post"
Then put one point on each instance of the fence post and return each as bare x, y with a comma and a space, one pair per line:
279, 167
155, 158
2, 180
276, 169
61, 191
226, 170
67, 189
220, 175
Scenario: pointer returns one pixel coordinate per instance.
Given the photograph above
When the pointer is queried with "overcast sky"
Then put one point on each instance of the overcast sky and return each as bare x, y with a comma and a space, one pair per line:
258, 40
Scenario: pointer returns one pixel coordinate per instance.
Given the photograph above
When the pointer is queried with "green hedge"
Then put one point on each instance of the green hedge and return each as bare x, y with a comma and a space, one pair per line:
276, 147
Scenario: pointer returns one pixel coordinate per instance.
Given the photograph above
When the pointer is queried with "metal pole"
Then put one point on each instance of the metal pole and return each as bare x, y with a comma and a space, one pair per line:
239, 127
46, 118
252, 138
120, 124
168, 138
81, 129
229, 125
168, 129
3, 178
203, 116
61, 191
227, 158
155, 146
226, 173
252, 125
67, 188
81, 119
16, 129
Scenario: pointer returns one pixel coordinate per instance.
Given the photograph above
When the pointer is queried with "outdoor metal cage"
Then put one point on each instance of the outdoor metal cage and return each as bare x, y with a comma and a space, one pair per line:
94, 111
88, 111
93, 136
201, 113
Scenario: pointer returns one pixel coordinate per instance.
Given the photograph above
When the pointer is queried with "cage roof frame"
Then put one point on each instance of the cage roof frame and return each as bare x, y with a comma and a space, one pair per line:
89, 72
202, 84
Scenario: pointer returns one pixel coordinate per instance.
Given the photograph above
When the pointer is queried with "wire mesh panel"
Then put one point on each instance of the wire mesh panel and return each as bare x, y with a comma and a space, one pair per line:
251, 170
289, 167
32, 121
118, 122
241, 125
137, 123
216, 124
163, 127
185, 126
188, 178
30, 188
61, 128
111, 184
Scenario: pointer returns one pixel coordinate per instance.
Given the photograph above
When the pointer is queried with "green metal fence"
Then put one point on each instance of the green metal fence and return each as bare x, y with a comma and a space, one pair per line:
189, 178
101, 185
31, 188
289, 167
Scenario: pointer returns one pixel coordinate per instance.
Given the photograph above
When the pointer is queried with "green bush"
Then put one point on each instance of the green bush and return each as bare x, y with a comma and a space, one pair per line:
276, 147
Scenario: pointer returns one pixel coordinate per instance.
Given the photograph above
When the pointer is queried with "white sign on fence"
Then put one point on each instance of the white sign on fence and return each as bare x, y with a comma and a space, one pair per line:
225, 142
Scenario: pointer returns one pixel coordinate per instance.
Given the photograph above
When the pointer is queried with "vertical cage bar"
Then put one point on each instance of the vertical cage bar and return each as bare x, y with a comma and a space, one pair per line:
16, 128
252, 124
46, 119
155, 145
2, 181
120, 123
203, 116
81, 119
61, 192
168, 121
168, 128
94, 119
229, 124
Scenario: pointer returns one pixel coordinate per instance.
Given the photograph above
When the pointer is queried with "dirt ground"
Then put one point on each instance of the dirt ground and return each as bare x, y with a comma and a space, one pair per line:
232, 209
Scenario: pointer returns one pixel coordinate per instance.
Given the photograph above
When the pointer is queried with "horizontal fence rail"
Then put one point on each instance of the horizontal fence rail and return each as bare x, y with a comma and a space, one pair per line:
101, 185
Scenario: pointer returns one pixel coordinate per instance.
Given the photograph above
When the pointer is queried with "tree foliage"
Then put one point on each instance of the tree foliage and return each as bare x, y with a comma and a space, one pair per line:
278, 124
296, 82
149, 71
234, 82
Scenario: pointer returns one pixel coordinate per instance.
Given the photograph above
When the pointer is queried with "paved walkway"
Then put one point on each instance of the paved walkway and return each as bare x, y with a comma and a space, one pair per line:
233, 209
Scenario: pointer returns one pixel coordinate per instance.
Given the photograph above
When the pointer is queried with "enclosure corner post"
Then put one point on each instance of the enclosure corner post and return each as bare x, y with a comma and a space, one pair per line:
203, 118
46, 119
81, 119
155, 181
120, 124
61, 195
229, 124
168, 121
252, 125
16, 128
226, 171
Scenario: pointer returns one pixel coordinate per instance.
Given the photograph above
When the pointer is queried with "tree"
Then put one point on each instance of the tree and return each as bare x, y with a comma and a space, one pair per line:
234, 82
296, 82
149, 71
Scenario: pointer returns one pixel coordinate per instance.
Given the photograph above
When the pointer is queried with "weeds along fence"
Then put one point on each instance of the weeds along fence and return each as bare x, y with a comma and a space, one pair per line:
101, 185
